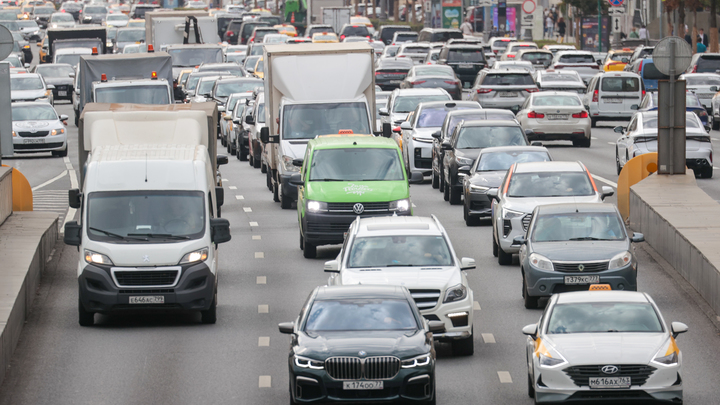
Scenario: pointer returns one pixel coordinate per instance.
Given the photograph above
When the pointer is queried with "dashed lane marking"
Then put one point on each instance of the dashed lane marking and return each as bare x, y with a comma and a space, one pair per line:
259, 255
264, 381
224, 180
592, 137
239, 197
504, 377
253, 223
256, 237
611, 143
604, 180
263, 309
232, 187
414, 206
264, 341
247, 209
261, 280
476, 306
488, 337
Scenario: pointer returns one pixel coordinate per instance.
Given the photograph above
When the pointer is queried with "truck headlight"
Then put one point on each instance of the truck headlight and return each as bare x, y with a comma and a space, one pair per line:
97, 258
400, 205
455, 293
57, 131
287, 163
199, 255
620, 260
305, 362
418, 361
541, 262
316, 206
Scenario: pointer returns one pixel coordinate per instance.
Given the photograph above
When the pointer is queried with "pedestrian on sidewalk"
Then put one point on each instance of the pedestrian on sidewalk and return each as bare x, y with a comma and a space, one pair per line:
466, 27
643, 32
633, 33
549, 23
561, 30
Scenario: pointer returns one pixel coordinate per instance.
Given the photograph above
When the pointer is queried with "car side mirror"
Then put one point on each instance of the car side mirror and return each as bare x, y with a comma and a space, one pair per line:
397, 130
599, 62
492, 193
406, 125
678, 328
227, 117
530, 330
607, 191
714, 88
446, 146
74, 198
637, 237
222, 160
219, 230
416, 178
332, 266
436, 326
71, 75
464, 169
634, 107
27, 65
219, 197
536, 143
221, 108
287, 327
296, 179
467, 263
73, 233
250, 70
519, 240
619, 129
249, 120
51, 87
528, 132
437, 135
384, 112
297, 162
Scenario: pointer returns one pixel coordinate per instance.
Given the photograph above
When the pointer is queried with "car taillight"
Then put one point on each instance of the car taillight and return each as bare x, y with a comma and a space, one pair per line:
643, 93
451, 81
483, 91
229, 33
419, 82
533, 114
511, 56
583, 114
640, 66
595, 96
694, 69
342, 36
495, 52
531, 90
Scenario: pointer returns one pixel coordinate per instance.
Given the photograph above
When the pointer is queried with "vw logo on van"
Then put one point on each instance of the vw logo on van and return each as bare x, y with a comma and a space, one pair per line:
610, 369
358, 208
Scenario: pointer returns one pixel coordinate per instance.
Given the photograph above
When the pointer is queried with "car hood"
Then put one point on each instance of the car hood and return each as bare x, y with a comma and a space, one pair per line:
488, 179
467, 153
30, 125
27, 94
425, 133
402, 344
356, 191
398, 117
58, 80
585, 250
607, 348
528, 204
425, 277
294, 148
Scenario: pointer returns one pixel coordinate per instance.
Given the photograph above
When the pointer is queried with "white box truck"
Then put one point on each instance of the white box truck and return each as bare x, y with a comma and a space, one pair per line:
336, 17
168, 28
316, 6
148, 230
311, 90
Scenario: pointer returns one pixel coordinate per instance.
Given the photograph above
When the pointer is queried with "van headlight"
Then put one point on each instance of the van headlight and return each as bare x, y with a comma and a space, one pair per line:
620, 260
455, 293
199, 255
400, 205
97, 258
316, 206
287, 163
541, 262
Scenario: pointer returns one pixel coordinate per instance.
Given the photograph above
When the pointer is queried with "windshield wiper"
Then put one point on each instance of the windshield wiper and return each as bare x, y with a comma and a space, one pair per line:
399, 265
329, 179
114, 235
586, 238
160, 235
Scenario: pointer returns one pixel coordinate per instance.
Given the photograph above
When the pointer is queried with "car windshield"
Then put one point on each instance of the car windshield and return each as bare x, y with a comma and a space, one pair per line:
565, 227
620, 84
306, 121
434, 117
14, 61
486, 137
236, 57
133, 94
550, 184
70, 59
205, 86
43, 10
405, 104
434, 71
560, 78
577, 58
33, 113
399, 251
62, 17
27, 24
129, 216
552, 101
691, 100
26, 83
225, 89
10, 25
536, 56
513, 79
466, 55
195, 56
95, 10
356, 164
501, 161
702, 81
63, 71
360, 315
618, 57
604, 317
134, 35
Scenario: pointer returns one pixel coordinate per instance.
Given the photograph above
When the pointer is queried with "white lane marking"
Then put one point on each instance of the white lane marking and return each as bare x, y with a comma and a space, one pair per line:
414, 206
73, 184
714, 139
715, 168
247, 209
504, 377
611, 143
232, 187
259, 255
263, 309
261, 280
224, 180
253, 223
476, 306
604, 180
256, 237
592, 137
264, 381
264, 341
58, 177
239, 197
488, 337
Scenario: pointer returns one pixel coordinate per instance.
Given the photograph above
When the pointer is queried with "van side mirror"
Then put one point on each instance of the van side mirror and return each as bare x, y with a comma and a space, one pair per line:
528, 132
221, 108
296, 179
416, 178
219, 230
637, 237
221, 160
219, 196
519, 240
436, 135
74, 198
406, 125
467, 263
73, 233
249, 120
384, 112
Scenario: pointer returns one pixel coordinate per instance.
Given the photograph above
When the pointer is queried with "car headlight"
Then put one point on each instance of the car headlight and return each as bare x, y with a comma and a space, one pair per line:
287, 162
400, 205
548, 356
455, 293
478, 189
48, 92
305, 362
510, 214
463, 161
669, 354
316, 206
620, 260
541, 262
13, 133
418, 361
97, 258
57, 131
199, 255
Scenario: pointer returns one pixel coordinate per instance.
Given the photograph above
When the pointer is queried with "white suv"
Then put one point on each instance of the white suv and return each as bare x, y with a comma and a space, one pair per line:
414, 252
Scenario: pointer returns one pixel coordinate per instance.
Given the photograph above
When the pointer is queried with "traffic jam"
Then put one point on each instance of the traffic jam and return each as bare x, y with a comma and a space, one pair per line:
345, 121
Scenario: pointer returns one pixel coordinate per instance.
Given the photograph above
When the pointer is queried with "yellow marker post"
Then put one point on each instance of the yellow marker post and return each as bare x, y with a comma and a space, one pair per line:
22, 192
632, 173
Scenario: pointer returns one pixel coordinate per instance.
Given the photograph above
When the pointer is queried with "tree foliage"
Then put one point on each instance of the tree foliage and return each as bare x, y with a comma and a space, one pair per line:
588, 7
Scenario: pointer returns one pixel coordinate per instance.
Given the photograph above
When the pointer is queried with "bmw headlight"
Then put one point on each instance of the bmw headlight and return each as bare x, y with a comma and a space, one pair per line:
418, 361
478, 189
287, 163
316, 206
669, 354
57, 131
400, 205
199, 255
541, 262
620, 260
305, 362
455, 293
548, 356
462, 161
97, 258
510, 214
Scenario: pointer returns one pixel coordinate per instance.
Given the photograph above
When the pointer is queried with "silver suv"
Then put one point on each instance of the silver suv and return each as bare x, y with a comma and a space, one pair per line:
507, 88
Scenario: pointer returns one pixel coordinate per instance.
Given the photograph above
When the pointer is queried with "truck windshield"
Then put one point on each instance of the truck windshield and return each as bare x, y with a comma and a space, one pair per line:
193, 56
133, 35
306, 121
70, 59
149, 94
142, 216
356, 164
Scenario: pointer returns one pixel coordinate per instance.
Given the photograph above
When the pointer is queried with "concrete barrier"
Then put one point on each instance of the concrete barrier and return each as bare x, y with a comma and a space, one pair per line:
6, 195
682, 224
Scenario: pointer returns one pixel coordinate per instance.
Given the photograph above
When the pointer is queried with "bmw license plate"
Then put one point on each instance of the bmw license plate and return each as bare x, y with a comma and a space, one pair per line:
610, 382
508, 94
62, 93
582, 280
35, 140
557, 116
149, 299
362, 385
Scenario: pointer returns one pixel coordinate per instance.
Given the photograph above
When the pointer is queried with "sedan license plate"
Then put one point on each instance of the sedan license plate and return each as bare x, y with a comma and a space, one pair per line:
610, 382
612, 100
62, 93
582, 279
362, 385
395, 81
557, 116
150, 299
508, 94
36, 140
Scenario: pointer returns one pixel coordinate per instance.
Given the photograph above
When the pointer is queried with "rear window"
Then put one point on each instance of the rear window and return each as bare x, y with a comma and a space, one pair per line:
466, 55
406, 36
500, 44
508, 79
560, 78
645, 52
650, 72
416, 49
532, 56
691, 121
708, 64
516, 48
446, 36
618, 57
433, 117
355, 31
552, 101
620, 84
577, 59
702, 81
387, 33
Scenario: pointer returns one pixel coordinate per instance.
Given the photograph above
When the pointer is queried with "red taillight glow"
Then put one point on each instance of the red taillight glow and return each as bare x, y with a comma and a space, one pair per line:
483, 91
229, 33
595, 96
533, 114
531, 90
583, 114
418, 82
643, 93
511, 56
342, 36
640, 66
694, 70
451, 81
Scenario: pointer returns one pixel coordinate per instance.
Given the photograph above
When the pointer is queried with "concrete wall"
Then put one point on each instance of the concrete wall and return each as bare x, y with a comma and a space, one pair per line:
5, 193
682, 223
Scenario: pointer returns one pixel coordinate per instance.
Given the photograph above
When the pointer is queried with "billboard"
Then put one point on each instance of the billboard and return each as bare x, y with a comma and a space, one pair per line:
451, 13
589, 40
510, 19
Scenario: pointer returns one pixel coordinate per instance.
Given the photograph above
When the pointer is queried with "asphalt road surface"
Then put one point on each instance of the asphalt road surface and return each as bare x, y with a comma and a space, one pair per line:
263, 280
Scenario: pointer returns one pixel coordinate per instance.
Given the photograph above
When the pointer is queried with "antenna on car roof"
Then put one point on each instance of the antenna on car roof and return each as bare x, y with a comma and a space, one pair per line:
146, 167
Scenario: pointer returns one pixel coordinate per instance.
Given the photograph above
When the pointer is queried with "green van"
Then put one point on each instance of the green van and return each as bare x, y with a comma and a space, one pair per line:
346, 176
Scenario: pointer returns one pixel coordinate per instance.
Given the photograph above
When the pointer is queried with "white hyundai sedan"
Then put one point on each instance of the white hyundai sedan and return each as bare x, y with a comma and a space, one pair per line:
599, 345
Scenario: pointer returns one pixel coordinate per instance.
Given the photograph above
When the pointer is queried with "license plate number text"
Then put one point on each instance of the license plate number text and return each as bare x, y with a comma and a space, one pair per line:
34, 140
362, 385
557, 116
150, 299
582, 279
610, 382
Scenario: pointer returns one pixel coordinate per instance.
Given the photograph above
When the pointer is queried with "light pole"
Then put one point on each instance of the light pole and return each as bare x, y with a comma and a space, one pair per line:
599, 26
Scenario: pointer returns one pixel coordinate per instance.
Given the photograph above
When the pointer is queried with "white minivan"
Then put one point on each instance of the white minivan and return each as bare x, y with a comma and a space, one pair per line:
613, 96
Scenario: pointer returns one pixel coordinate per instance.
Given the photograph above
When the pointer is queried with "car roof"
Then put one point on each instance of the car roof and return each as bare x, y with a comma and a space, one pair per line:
554, 93
397, 225
419, 92
335, 292
31, 103
509, 70
576, 207
573, 52
490, 123
449, 104
601, 296
499, 149
552, 166
336, 141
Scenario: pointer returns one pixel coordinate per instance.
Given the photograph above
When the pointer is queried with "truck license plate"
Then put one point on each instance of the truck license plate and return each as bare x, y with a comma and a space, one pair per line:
582, 279
36, 140
610, 382
362, 385
150, 299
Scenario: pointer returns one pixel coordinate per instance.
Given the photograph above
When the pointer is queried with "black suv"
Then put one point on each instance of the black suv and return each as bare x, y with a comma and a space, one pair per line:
42, 15
354, 30
466, 60
72, 8
386, 32
238, 32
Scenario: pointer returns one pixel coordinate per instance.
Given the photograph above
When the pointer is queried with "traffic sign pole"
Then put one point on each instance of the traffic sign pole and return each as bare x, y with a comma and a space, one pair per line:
599, 26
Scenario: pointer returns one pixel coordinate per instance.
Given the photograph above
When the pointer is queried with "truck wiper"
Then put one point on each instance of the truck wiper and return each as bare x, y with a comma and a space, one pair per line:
114, 235
160, 235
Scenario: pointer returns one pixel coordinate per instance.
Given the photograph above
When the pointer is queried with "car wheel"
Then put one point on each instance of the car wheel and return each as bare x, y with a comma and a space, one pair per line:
77, 119
210, 315
469, 220
593, 122
495, 247
251, 160
257, 162
504, 259
617, 162
222, 141
242, 154
585, 143
707, 172
268, 180
530, 301
441, 185
435, 180
531, 386
463, 347
285, 200
309, 250
85, 318
263, 168
715, 123
276, 192
455, 196
446, 193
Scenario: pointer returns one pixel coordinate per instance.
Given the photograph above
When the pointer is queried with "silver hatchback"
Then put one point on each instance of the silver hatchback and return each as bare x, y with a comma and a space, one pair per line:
503, 88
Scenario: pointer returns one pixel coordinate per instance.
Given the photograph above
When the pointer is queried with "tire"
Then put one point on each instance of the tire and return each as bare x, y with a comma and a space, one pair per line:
268, 181
77, 119
593, 123
263, 168
257, 162
237, 155
617, 162
222, 141
463, 347
530, 302
85, 318
242, 154
276, 192
495, 248
446, 193
707, 172
251, 160
455, 196
715, 124
441, 186
469, 220
504, 259
435, 180
531, 386
583, 143
285, 200
309, 250
210, 315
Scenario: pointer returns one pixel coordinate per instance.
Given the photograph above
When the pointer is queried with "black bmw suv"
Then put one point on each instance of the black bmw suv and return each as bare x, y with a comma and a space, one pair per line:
465, 59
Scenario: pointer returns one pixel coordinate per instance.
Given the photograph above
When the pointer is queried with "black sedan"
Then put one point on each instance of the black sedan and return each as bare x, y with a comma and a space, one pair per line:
60, 75
361, 344
390, 72
487, 173
433, 76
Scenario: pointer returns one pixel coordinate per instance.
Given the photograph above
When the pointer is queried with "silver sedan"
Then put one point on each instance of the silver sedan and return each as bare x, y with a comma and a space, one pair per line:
555, 115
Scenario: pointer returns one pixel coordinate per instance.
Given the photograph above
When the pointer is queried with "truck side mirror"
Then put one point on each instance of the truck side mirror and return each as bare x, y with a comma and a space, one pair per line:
222, 160
446, 146
416, 178
264, 134
384, 112
297, 162
220, 196
219, 230
249, 120
73, 232
74, 198
436, 135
